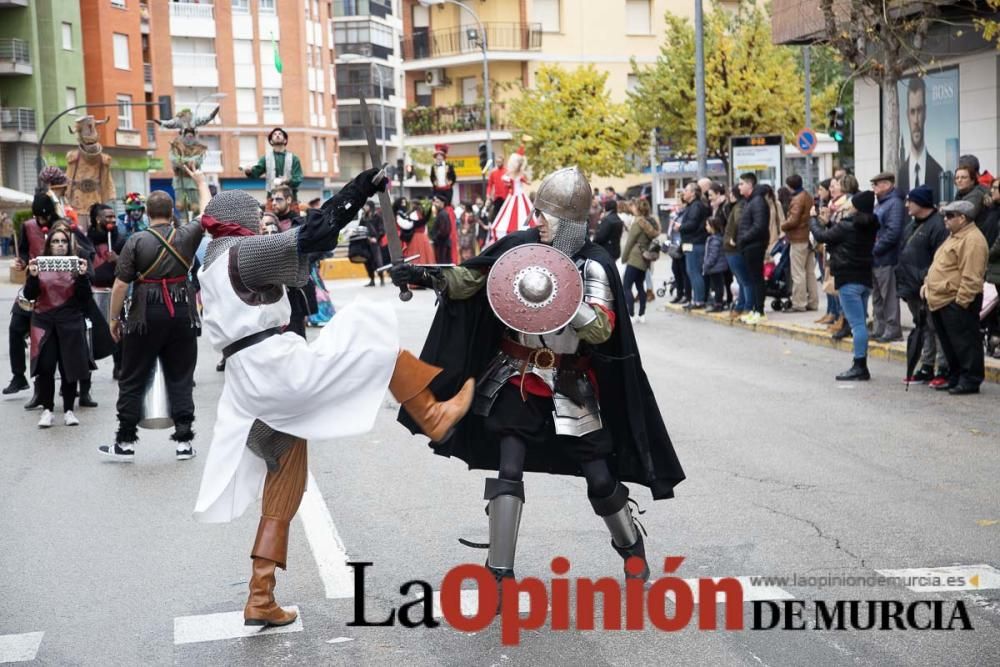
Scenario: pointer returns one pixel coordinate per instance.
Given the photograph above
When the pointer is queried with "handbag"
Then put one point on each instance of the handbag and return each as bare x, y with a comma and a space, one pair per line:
358, 250
652, 253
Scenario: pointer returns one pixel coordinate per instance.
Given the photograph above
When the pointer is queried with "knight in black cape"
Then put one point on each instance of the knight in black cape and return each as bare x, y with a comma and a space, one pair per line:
468, 339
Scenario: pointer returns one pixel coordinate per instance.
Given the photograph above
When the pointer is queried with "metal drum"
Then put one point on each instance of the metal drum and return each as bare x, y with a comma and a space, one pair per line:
155, 411
102, 297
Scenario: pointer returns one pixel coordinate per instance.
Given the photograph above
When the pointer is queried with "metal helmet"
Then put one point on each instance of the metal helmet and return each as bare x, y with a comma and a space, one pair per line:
565, 194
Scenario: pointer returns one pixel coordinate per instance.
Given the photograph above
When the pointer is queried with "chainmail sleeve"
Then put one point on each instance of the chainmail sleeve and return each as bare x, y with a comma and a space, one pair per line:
269, 260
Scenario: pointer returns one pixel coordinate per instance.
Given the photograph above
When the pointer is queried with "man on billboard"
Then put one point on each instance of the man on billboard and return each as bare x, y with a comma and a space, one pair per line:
918, 167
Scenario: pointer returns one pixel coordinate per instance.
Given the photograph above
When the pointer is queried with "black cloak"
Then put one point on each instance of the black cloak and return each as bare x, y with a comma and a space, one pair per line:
465, 337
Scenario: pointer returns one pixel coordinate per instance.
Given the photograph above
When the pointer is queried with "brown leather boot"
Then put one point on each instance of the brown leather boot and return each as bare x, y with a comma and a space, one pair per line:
826, 319
836, 325
269, 552
409, 385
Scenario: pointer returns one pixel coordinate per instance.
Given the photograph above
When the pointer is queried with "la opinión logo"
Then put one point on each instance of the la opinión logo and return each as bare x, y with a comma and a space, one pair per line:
640, 604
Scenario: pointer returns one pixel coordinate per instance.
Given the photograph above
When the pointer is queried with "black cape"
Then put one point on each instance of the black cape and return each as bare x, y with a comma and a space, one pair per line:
465, 337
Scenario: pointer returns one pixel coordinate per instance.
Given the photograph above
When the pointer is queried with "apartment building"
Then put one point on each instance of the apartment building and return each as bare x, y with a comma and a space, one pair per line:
118, 68
224, 53
41, 73
444, 73
366, 36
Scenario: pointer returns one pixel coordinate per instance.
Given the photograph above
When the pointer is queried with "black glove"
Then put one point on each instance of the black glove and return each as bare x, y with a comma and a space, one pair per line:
412, 274
365, 182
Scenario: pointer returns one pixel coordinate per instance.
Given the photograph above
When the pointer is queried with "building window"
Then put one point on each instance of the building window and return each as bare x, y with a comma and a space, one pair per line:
422, 94
71, 98
271, 100
118, 3
547, 12
266, 6
248, 150
637, 19
124, 112
120, 42
242, 52
67, 36
632, 83
241, 6
246, 105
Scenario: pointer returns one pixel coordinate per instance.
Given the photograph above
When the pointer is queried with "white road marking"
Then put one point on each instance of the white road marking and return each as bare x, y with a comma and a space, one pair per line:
935, 579
227, 625
20, 648
750, 592
324, 541
339, 640
469, 600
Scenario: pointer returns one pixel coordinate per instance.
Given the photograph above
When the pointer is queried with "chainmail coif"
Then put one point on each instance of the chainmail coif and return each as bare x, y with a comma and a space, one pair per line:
235, 206
570, 236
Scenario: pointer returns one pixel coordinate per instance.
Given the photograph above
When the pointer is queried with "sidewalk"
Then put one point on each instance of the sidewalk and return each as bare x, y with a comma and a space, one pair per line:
802, 327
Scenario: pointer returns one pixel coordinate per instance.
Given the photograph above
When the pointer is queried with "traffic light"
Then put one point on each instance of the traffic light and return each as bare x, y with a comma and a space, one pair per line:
482, 155
165, 102
837, 123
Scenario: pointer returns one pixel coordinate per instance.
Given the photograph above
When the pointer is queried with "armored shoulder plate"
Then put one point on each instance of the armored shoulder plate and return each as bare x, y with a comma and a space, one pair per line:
597, 285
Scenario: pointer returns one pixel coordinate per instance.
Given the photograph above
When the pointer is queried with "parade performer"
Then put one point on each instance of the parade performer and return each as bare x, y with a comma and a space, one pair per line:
187, 153
498, 188
281, 391
443, 174
536, 406
89, 167
58, 336
302, 297
162, 321
134, 218
107, 241
279, 166
515, 213
442, 230
413, 232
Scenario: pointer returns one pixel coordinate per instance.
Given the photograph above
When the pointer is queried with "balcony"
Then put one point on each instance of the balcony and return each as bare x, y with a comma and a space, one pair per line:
196, 70
379, 8
147, 76
15, 57
144, 18
212, 164
17, 124
192, 20
366, 49
353, 91
419, 121
357, 133
454, 43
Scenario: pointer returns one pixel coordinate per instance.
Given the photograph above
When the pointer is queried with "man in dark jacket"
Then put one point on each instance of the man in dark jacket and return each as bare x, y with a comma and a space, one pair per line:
752, 237
921, 239
693, 238
891, 214
609, 231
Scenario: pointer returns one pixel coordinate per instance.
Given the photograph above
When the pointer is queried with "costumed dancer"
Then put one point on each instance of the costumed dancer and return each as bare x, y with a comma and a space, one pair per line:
442, 230
413, 233
58, 333
107, 241
279, 165
536, 406
134, 218
303, 297
281, 391
443, 174
515, 213
498, 189
162, 321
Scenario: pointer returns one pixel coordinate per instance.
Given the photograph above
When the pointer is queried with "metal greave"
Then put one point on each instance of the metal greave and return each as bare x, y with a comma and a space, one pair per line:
506, 500
617, 516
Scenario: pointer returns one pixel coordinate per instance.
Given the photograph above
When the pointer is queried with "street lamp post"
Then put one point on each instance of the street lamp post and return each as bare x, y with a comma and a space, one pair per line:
486, 66
699, 86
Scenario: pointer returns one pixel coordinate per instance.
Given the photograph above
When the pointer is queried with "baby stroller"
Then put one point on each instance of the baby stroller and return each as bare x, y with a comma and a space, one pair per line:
778, 277
989, 320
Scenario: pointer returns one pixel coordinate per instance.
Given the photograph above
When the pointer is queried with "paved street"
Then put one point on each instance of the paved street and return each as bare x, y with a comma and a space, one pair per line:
788, 473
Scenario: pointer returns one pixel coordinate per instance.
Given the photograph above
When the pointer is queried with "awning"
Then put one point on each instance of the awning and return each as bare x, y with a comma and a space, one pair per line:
10, 198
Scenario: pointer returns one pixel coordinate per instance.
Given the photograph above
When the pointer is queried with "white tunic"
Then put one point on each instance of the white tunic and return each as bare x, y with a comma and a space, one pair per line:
330, 388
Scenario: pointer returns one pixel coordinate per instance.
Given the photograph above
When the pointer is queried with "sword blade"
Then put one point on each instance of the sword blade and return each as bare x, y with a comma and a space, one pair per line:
388, 218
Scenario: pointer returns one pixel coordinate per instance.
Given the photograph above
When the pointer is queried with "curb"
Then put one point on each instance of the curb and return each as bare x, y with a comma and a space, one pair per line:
888, 351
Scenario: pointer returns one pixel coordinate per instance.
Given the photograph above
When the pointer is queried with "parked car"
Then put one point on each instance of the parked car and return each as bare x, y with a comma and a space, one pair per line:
641, 191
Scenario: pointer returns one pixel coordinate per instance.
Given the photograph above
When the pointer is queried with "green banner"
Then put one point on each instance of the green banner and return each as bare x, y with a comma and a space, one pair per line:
124, 163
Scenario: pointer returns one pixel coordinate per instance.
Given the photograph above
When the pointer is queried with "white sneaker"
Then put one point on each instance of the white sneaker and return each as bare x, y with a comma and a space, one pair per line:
70, 419
634, 319
45, 421
642, 319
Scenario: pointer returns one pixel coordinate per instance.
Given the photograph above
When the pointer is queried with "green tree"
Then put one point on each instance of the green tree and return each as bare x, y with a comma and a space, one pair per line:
571, 121
751, 85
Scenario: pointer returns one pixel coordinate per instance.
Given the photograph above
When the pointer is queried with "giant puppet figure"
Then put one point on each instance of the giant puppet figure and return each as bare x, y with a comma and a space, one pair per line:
539, 320
88, 167
186, 150
279, 166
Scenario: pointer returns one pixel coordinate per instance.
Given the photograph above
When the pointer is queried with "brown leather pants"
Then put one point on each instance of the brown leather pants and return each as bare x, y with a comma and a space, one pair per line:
283, 491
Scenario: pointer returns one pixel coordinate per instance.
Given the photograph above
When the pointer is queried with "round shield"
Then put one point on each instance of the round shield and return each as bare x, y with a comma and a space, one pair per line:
534, 289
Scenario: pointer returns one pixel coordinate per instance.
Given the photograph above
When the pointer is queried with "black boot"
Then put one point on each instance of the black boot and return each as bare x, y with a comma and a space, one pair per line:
35, 401
506, 499
859, 371
86, 401
381, 279
17, 384
625, 536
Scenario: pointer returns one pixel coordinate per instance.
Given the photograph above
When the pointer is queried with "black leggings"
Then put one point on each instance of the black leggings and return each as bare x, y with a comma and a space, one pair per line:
753, 255
600, 482
682, 285
717, 282
637, 277
45, 375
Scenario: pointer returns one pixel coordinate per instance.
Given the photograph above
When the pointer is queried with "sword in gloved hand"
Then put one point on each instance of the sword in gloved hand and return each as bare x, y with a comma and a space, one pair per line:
388, 217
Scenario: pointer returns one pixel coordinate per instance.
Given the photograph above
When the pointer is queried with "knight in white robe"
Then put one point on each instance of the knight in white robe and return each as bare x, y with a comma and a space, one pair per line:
281, 391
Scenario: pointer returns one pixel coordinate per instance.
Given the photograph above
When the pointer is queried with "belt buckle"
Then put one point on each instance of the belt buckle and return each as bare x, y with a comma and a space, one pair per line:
543, 358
